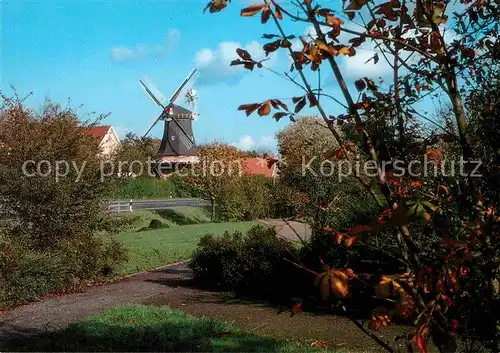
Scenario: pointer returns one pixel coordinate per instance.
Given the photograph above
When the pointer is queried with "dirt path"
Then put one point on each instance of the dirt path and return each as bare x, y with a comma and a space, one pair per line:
170, 286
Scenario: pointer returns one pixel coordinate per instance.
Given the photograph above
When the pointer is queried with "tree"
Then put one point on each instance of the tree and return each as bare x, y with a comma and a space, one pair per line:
217, 173
410, 36
319, 182
51, 178
138, 149
50, 172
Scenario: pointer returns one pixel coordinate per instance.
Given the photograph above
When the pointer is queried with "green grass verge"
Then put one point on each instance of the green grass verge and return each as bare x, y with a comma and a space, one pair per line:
175, 216
154, 248
141, 328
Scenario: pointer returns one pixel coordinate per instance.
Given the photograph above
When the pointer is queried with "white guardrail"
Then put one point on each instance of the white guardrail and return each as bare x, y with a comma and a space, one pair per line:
121, 206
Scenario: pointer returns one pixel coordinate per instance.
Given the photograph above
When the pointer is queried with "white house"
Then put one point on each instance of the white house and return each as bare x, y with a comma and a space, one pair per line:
107, 138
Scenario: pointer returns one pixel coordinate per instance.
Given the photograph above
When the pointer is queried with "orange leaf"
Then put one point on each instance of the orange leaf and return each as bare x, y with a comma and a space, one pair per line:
271, 46
348, 241
278, 13
384, 288
339, 283
251, 10
301, 103
296, 308
242, 53
249, 108
279, 115
266, 13
337, 238
433, 154
312, 100
387, 10
379, 318
415, 183
324, 286
361, 228
444, 188
334, 21
344, 51
355, 5
265, 108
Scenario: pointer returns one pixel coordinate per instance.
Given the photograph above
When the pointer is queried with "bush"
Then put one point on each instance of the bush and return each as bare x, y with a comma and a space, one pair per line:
246, 198
27, 274
115, 224
251, 265
52, 244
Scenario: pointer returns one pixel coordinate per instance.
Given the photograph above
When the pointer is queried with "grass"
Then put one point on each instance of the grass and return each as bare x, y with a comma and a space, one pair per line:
142, 328
175, 216
153, 248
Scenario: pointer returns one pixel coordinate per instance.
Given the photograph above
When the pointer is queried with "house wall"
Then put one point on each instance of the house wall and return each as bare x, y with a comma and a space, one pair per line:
109, 143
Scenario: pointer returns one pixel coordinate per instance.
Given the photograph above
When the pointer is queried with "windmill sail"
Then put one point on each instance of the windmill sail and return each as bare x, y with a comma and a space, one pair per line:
177, 92
153, 92
178, 138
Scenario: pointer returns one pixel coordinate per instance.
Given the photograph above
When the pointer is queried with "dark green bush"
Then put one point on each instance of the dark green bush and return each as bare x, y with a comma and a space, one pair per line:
114, 224
251, 265
216, 261
27, 274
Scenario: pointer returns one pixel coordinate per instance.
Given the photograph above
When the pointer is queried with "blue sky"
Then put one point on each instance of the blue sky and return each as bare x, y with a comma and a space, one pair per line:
94, 52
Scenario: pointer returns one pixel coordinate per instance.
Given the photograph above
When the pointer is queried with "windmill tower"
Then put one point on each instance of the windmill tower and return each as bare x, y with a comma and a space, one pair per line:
178, 146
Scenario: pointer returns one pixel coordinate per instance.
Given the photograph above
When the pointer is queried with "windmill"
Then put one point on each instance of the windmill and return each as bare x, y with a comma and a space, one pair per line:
178, 146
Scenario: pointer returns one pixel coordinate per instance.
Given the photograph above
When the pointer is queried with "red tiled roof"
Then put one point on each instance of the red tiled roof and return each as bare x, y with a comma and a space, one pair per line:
99, 132
260, 166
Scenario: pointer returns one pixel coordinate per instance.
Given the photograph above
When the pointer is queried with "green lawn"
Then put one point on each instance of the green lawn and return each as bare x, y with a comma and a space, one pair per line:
153, 248
142, 328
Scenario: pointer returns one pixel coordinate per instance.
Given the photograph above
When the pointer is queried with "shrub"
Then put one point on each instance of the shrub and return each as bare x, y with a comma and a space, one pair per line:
257, 196
116, 224
26, 274
216, 261
251, 265
52, 244
246, 198
47, 207
151, 188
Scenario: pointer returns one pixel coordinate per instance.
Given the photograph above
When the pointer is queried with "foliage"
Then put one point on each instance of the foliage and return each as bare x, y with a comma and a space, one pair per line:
152, 188
51, 245
446, 228
250, 265
217, 172
26, 274
49, 209
135, 149
221, 178
317, 197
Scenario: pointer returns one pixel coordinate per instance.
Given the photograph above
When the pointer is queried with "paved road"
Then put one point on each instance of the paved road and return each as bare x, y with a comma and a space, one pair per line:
122, 205
291, 230
171, 286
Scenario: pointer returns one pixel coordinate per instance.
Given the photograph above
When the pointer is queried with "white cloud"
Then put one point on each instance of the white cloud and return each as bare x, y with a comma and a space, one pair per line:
247, 143
357, 66
122, 53
215, 65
